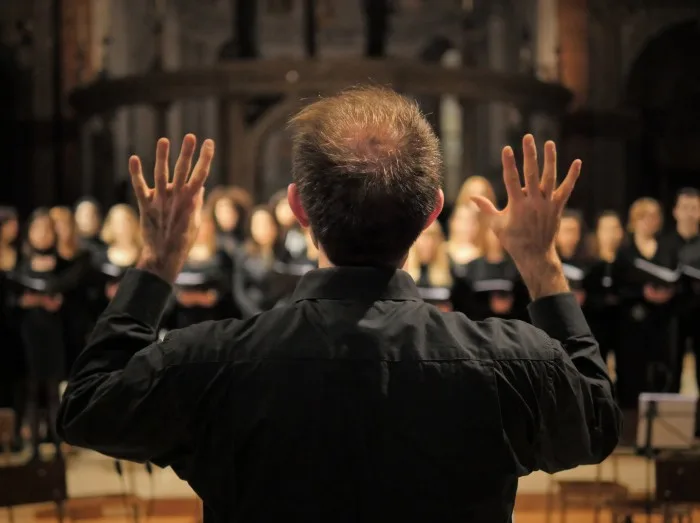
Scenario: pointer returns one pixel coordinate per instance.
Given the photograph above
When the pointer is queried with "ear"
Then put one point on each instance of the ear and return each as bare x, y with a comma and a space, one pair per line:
439, 204
294, 200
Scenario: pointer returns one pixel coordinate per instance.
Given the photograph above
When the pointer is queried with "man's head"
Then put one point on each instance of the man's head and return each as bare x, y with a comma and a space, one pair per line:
367, 172
687, 209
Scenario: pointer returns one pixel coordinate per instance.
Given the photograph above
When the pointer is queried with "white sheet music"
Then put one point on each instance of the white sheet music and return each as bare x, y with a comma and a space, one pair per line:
673, 426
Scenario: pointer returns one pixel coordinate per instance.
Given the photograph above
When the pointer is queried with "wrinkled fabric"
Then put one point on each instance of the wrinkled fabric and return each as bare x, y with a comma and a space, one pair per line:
357, 402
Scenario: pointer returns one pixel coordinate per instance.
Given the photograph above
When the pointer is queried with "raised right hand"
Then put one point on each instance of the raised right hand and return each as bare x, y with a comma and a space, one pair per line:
527, 226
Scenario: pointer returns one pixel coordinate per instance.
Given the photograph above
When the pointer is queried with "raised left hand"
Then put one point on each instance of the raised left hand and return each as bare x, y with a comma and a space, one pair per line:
171, 211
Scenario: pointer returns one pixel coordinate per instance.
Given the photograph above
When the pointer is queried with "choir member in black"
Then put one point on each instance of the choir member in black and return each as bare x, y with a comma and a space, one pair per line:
475, 186
9, 231
291, 235
465, 237
286, 276
230, 207
38, 278
203, 288
79, 283
429, 265
571, 251
88, 221
648, 278
465, 228
254, 279
686, 235
690, 269
122, 237
491, 286
12, 368
602, 306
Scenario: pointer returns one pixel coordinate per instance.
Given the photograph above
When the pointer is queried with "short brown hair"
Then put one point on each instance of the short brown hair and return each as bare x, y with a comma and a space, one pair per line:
368, 167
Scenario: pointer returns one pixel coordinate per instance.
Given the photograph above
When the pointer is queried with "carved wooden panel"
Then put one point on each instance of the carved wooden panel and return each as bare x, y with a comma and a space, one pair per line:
303, 78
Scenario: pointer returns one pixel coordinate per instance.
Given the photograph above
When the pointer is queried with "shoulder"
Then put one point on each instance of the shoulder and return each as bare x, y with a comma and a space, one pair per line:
225, 341
501, 340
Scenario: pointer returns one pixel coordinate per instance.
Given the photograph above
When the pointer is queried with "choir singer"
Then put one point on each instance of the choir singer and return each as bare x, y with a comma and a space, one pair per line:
356, 401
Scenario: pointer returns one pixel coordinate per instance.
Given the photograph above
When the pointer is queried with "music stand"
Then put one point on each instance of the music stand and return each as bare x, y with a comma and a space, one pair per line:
7, 433
666, 423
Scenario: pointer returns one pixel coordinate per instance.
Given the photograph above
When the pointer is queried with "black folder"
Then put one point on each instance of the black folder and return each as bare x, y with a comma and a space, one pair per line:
439, 296
575, 275
648, 273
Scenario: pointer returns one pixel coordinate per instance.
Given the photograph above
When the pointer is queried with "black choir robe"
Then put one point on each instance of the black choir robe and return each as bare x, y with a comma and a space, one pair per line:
602, 304
438, 295
41, 331
200, 276
483, 285
257, 285
645, 355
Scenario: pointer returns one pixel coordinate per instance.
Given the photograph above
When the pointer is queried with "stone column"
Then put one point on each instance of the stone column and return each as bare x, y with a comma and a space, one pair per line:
498, 39
547, 40
573, 50
43, 175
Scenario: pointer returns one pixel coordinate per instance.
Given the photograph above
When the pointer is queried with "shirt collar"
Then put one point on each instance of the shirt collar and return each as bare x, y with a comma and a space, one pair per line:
357, 283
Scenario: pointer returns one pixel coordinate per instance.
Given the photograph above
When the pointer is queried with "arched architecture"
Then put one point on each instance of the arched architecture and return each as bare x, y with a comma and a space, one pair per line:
236, 83
606, 127
664, 87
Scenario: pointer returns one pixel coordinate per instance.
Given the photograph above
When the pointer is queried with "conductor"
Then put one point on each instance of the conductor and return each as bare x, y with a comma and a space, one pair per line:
357, 401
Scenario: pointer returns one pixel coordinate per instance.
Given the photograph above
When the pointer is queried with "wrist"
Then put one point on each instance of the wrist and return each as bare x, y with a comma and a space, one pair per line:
543, 276
157, 267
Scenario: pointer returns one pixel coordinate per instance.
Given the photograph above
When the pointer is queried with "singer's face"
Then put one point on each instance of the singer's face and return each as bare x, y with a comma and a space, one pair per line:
284, 214
226, 214
569, 233
10, 230
64, 227
206, 232
41, 233
687, 210
123, 224
263, 228
87, 219
464, 224
649, 222
610, 232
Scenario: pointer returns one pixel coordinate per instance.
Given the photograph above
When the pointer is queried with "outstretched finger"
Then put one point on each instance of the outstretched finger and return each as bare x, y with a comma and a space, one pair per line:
562, 194
511, 178
137, 181
531, 170
549, 172
486, 206
201, 168
493, 218
184, 161
161, 173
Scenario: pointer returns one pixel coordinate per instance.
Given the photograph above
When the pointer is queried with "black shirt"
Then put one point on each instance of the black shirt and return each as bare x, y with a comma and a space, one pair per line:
357, 402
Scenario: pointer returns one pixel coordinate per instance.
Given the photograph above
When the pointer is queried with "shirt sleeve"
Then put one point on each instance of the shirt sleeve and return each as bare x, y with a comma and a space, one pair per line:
125, 396
559, 410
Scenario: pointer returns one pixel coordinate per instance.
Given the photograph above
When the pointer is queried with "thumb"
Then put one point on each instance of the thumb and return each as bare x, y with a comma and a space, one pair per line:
485, 205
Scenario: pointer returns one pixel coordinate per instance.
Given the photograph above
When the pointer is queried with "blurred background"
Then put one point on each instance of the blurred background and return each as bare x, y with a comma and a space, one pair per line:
87, 83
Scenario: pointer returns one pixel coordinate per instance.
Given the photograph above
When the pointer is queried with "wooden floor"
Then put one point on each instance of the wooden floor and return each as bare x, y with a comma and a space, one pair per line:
99, 495
104, 509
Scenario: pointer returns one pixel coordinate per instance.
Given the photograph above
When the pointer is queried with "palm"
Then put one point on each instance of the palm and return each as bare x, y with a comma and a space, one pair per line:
530, 219
171, 211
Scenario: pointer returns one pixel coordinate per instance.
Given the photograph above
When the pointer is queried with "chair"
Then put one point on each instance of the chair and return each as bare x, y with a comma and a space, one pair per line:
7, 432
623, 511
596, 493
